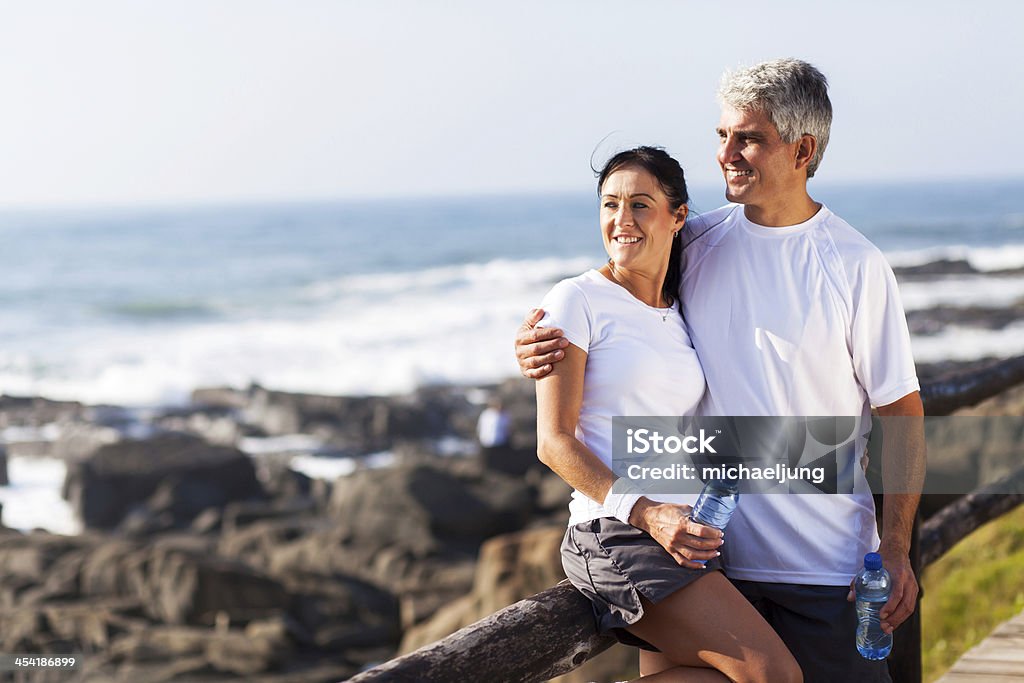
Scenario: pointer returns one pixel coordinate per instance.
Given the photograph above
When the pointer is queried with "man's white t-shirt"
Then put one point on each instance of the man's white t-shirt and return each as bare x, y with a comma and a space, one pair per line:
803, 320
639, 362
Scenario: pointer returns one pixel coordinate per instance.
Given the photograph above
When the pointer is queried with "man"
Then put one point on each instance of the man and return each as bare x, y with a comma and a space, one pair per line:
792, 313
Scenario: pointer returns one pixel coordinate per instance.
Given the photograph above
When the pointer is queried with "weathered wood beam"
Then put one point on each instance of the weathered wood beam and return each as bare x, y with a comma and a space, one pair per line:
955, 521
535, 639
942, 397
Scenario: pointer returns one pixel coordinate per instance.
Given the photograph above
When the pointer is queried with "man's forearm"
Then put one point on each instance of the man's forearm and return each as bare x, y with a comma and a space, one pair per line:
903, 468
898, 512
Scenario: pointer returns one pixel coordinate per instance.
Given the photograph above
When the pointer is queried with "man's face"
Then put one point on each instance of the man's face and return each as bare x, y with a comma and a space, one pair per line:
760, 169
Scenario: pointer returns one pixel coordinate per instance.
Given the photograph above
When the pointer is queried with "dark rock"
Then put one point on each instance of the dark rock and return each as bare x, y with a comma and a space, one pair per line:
519, 399
940, 267
183, 474
160, 643
358, 425
249, 653
79, 440
420, 507
35, 411
207, 522
339, 613
933, 320
141, 521
114, 568
281, 481
189, 588
511, 567
257, 542
4, 481
31, 556
221, 397
192, 669
218, 426
508, 460
91, 625
237, 515
553, 494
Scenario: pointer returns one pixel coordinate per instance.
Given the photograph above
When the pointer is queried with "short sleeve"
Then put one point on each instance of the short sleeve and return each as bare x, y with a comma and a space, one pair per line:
566, 307
882, 357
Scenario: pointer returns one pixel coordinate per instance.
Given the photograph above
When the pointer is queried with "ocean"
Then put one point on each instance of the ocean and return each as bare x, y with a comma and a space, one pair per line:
139, 306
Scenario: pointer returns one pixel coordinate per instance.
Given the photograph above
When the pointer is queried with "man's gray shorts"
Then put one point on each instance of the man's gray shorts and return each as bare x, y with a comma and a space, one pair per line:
818, 626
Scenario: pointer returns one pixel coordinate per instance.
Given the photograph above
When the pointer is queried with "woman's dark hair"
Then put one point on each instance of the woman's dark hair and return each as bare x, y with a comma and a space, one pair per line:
670, 177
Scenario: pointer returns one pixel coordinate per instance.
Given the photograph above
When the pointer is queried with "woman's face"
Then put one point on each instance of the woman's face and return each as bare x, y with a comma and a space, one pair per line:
637, 223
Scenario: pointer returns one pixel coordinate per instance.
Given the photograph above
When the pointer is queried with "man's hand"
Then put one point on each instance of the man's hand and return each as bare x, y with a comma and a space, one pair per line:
538, 348
903, 599
903, 468
688, 542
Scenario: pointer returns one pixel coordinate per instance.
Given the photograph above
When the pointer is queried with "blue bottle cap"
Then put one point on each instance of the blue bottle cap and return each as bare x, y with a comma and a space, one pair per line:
872, 561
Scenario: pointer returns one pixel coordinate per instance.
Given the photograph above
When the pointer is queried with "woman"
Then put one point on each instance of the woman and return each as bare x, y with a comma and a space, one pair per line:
629, 354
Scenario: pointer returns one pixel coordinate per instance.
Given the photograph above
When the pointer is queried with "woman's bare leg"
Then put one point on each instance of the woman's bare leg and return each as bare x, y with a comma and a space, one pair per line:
710, 625
657, 668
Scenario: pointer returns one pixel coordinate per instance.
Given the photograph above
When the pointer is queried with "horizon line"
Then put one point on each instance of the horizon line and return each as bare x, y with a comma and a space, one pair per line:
237, 201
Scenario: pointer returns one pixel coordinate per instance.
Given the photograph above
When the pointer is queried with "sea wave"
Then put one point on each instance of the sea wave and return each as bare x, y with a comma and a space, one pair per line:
377, 334
495, 273
984, 259
962, 290
160, 310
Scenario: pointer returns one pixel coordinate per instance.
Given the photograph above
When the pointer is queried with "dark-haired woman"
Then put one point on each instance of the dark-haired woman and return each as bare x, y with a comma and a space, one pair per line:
629, 354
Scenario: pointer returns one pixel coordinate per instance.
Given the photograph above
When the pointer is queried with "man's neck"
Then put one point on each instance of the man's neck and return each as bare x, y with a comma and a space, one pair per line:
783, 214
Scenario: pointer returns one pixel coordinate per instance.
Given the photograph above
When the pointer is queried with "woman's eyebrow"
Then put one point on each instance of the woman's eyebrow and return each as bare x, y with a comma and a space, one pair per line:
638, 194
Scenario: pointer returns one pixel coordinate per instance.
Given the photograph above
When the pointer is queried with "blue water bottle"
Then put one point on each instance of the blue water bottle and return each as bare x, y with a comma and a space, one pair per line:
872, 588
716, 502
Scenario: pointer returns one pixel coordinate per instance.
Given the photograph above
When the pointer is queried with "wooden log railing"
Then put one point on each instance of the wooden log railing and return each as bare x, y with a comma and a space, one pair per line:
552, 632
540, 637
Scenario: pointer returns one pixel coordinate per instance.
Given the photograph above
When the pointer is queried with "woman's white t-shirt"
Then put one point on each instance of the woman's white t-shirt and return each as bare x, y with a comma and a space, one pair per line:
640, 361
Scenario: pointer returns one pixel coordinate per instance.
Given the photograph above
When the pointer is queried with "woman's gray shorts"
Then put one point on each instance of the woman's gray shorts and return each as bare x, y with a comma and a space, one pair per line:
613, 564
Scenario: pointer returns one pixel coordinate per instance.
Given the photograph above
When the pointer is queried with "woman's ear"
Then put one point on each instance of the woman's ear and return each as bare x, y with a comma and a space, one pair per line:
681, 214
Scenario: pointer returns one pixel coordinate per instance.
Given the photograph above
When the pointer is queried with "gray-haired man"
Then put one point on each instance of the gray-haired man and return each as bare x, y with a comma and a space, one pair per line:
792, 312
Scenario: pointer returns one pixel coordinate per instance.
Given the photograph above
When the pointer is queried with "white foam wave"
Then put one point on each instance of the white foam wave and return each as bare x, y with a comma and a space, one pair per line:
288, 443
1007, 256
32, 499
398, 335
366, 334
962, 290
959, 343
330, 469
496, 273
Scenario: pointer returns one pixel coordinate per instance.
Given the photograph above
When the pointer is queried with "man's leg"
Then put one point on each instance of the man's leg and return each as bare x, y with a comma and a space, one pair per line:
819, 627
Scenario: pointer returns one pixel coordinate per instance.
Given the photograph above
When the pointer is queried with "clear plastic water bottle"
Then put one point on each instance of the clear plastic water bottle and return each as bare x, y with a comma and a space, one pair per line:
872, 588
716, 502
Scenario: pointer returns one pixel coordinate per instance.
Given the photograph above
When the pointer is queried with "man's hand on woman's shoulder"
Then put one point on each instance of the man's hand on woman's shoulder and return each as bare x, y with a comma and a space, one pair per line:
538, 348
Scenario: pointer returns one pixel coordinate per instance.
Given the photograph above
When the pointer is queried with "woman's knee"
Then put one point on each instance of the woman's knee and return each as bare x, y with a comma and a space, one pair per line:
777, 667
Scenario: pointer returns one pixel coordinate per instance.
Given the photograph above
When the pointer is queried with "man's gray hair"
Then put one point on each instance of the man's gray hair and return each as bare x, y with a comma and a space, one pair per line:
792, 93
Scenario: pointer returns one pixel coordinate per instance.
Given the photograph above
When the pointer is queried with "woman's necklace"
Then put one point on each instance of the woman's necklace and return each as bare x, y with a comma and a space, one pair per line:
663, 312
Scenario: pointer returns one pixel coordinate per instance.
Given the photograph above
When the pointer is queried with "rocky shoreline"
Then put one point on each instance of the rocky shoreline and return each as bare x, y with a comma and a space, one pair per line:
200, 561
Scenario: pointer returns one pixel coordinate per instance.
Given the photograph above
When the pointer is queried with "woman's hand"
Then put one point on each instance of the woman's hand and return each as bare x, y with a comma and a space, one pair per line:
690, 543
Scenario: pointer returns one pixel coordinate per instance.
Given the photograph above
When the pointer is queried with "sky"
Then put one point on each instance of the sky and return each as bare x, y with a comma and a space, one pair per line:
197, 101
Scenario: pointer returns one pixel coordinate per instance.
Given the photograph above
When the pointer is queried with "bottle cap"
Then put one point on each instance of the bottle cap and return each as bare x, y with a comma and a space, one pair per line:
872, 561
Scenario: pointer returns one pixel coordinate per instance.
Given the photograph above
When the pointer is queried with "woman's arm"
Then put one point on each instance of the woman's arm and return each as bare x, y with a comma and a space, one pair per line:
559, 398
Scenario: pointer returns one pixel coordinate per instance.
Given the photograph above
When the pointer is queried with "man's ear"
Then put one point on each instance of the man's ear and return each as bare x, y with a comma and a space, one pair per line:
805, 150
